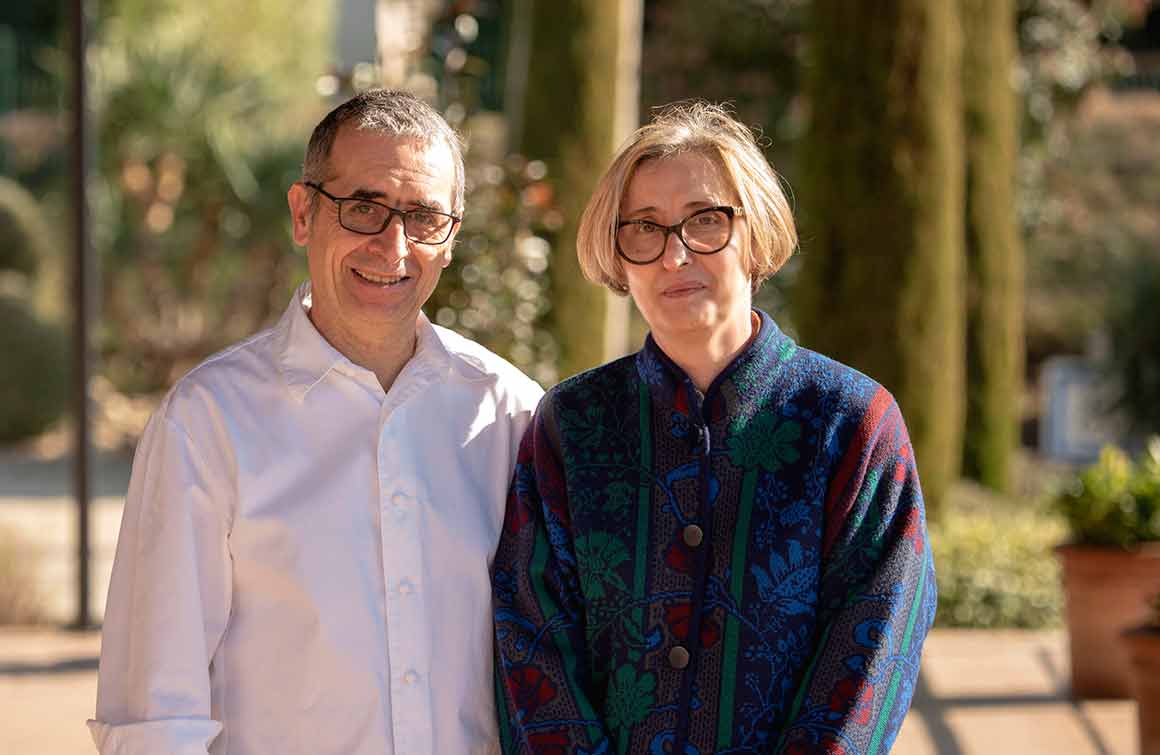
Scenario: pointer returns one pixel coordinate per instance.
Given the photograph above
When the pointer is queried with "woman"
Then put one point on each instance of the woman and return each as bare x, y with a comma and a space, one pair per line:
718, 543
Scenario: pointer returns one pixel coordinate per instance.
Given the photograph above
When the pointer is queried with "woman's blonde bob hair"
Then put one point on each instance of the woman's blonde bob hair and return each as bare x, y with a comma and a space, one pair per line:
710, 130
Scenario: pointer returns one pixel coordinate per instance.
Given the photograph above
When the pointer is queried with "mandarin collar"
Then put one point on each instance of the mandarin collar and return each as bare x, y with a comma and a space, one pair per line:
736, 392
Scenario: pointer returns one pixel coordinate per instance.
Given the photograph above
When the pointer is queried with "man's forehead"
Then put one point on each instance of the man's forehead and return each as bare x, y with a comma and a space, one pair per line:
366, 160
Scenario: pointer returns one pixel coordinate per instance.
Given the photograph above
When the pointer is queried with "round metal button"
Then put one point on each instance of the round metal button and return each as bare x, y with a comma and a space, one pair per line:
678, 657
693, 535
410, 677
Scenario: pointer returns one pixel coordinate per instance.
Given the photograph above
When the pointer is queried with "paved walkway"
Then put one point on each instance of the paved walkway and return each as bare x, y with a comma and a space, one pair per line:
981, 693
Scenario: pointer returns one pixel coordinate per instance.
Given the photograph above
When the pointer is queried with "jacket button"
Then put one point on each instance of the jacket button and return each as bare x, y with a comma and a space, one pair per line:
678, 657
693, 535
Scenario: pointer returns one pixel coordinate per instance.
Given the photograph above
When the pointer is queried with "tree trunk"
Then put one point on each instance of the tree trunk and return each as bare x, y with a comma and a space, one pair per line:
881, 286
578, 104
994, 254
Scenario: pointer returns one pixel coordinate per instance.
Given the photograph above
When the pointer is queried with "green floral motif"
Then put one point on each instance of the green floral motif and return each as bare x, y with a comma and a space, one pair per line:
764, 441
618, 495
630, 697
598, 555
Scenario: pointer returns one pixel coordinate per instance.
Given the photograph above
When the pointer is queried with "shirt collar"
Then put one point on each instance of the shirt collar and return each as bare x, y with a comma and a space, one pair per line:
736, 393
306, 357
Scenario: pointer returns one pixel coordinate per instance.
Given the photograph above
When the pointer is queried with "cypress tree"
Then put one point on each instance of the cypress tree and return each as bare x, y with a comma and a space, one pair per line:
994, 257
881, 285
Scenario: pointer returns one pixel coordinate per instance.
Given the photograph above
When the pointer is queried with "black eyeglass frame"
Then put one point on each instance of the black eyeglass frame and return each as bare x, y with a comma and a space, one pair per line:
678, 228
391, 213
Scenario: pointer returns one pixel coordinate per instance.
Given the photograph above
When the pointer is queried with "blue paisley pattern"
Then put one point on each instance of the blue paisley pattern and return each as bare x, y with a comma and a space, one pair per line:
744, 571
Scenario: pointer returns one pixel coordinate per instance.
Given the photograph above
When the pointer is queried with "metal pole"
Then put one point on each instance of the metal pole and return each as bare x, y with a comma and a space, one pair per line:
81, 306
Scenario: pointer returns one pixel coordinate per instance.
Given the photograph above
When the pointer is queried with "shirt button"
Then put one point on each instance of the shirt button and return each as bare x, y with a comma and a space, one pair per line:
399, 499
693, 535
410, 677
678, 657
406, 587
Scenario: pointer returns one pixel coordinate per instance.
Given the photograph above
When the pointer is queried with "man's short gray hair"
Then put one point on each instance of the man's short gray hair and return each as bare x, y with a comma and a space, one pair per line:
389, 112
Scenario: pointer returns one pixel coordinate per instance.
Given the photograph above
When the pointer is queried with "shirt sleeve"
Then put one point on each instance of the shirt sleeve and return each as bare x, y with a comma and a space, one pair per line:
542, 679
169, 600
877, 598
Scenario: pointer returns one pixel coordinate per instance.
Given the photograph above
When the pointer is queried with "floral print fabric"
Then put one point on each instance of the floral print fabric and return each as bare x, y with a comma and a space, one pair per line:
741, 572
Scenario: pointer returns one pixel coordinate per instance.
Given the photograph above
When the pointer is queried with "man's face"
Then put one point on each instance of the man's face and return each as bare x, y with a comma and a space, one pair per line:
368, 288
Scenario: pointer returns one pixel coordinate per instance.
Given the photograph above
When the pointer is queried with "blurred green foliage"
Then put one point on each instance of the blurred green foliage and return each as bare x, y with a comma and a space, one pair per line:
34, 367
1114, 502
1134, 356
995, 566
33, 372
496, 290
202, 113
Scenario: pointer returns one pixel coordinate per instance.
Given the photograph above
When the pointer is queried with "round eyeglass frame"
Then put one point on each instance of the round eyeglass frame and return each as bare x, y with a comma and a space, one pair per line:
678, 228
391, 213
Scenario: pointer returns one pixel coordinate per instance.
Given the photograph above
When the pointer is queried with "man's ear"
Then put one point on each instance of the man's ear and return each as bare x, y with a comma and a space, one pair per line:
301, 212
448, 246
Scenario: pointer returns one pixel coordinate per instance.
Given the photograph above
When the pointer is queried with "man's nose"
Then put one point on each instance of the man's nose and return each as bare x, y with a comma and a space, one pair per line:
393, 238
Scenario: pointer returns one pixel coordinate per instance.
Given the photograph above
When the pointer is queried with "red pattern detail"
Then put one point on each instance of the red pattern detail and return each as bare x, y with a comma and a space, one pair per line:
852, 469
854, 695
826, 747
531, 688
913, 531
678, 557
677, 617
550, 743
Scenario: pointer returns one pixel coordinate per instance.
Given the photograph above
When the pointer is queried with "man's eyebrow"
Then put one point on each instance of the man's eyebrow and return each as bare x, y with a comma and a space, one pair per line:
426, 204
367, 194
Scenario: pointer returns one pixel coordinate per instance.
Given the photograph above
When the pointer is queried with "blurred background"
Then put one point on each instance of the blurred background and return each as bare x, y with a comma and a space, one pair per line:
977, 184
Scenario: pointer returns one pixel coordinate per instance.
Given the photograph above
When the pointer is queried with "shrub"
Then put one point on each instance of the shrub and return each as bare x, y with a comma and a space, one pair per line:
1135, 348
994, 563
20, 601
1114, 502
33, 372
23, 231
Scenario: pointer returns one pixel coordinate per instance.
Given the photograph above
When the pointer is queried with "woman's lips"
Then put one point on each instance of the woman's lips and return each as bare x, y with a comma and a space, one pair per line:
678, 290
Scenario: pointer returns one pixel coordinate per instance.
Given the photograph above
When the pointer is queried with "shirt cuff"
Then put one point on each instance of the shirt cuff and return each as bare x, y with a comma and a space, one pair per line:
171, 736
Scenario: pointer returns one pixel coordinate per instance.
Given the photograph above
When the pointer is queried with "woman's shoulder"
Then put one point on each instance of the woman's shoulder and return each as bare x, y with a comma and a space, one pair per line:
608, 382
836, 385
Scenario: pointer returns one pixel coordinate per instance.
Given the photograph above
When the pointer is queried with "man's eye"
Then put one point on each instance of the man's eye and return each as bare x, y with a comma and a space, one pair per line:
363, 208
423, 218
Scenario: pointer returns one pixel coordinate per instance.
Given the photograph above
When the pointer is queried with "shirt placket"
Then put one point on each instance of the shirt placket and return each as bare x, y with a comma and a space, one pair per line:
401, 498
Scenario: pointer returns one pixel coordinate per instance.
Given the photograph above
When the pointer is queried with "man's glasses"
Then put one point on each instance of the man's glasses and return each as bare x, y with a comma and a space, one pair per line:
369, 218
706, 231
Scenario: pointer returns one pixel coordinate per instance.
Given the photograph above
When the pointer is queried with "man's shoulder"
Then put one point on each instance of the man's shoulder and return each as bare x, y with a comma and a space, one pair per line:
474, 361
231, 372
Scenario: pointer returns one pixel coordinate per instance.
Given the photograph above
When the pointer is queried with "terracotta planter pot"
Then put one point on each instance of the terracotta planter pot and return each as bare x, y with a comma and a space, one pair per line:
1144, 652
1106, 592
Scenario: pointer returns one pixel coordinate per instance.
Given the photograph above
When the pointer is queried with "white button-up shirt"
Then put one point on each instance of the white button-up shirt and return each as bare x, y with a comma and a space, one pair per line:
303, 561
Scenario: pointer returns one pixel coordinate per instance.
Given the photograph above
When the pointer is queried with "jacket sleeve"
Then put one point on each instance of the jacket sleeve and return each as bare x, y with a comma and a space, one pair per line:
542, 668
877, 598
169, 599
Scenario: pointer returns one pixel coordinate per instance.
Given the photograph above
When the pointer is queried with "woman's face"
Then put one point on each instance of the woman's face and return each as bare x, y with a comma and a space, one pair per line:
684, 295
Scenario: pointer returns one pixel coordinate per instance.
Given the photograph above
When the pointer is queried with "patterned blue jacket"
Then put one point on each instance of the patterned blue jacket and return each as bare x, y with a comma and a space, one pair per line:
743, 572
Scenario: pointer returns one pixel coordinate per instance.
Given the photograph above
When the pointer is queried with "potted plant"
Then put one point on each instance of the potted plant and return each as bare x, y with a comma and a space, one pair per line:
1111, 566
1143, 643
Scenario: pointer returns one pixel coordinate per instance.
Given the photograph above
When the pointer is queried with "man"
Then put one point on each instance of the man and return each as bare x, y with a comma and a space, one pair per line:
303, 559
